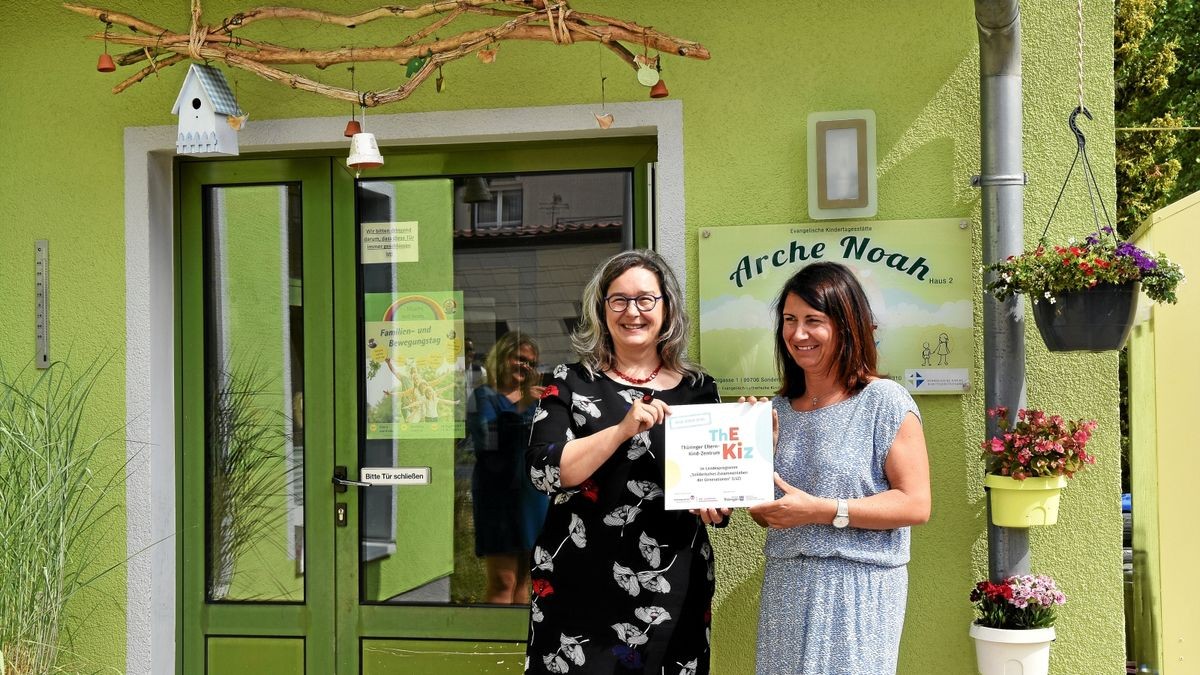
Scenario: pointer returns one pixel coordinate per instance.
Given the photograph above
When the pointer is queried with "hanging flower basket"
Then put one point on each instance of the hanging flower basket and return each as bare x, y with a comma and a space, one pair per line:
1085, 293
1024, 503
1096, 319
1000, 651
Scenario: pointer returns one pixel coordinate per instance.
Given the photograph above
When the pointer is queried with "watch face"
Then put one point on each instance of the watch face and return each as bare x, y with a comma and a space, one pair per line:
841, 521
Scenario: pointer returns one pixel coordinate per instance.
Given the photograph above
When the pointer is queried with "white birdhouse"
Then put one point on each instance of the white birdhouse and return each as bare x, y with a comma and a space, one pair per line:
209, 116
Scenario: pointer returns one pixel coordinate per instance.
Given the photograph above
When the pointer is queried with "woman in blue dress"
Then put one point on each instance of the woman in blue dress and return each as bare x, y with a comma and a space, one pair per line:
853, 475
508, 512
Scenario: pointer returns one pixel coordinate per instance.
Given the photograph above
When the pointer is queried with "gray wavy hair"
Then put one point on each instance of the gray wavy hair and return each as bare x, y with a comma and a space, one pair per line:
592, 341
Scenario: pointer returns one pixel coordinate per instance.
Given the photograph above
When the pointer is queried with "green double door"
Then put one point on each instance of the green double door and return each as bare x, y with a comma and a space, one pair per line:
331, 334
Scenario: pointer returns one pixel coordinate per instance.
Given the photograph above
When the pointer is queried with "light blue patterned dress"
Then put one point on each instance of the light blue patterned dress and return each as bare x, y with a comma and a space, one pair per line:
833, 600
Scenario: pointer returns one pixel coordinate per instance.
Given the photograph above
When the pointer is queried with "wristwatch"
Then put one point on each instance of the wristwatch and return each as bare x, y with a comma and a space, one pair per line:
842, 519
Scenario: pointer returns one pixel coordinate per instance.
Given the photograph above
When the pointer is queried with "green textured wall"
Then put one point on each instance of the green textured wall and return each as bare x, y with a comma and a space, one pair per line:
915, 64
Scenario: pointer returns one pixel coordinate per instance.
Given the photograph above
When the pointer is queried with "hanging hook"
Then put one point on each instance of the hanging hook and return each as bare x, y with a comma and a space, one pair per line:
1075, 127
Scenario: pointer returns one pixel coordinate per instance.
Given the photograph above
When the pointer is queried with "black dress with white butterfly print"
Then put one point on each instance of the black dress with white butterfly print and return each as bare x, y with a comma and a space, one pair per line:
620, 585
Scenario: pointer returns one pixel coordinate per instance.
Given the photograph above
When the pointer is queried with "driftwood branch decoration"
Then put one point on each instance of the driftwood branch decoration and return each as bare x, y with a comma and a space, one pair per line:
544, 20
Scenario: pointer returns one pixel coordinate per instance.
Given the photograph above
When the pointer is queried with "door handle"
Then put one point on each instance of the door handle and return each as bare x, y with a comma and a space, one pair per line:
340, 482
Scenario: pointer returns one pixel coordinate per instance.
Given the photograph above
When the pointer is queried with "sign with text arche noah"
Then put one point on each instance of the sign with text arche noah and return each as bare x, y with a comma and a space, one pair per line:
916, 274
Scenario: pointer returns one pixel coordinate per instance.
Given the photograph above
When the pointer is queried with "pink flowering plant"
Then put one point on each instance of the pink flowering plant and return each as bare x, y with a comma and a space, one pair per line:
1020, 602
1037, 445
1048, 271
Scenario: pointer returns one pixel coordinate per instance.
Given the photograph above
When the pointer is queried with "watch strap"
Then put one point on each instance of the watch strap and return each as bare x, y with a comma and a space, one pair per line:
842, 518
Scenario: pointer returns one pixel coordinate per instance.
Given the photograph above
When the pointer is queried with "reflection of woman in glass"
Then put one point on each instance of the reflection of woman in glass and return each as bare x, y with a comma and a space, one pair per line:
508, 511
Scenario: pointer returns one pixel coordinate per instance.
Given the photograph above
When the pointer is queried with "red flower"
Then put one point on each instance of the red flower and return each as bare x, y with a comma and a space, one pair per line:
542, 588
589, 490
551, 390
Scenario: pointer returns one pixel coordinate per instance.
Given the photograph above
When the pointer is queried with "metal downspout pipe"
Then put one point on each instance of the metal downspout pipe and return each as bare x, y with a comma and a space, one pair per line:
1002, 182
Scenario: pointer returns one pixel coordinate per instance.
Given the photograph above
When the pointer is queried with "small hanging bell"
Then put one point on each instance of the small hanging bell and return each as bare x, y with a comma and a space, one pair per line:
659, 90
352, 127
105, 64
364, 152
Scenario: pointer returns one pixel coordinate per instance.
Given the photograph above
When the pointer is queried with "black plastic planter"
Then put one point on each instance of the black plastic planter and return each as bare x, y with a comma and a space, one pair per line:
1095, 320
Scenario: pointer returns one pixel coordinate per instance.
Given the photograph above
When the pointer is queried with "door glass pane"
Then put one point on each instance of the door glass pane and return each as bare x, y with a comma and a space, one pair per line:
500, 265
254, 384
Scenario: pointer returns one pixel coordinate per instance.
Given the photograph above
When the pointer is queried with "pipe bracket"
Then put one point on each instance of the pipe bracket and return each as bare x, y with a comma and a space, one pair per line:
1000, 179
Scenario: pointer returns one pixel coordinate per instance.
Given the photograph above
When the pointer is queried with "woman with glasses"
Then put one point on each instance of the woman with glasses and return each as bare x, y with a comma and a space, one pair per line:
619, 584
508, 512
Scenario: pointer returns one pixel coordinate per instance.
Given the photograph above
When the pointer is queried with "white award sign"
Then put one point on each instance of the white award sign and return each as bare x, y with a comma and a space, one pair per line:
719, 455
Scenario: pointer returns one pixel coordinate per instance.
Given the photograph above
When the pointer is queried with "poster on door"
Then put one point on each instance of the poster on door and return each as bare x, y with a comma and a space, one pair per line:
414, 365
916, 274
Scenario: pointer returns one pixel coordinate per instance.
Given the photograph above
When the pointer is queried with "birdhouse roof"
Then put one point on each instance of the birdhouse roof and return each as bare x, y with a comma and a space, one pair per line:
215, 87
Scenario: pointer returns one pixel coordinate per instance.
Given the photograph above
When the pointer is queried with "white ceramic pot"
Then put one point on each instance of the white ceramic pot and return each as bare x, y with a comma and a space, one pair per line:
999, 651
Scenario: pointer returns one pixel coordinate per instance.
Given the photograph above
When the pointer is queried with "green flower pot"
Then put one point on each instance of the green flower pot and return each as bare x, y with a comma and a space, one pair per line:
1093, 320
1024, 503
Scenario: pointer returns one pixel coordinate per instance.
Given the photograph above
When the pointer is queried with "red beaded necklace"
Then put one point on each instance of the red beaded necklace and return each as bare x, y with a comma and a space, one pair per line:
637, 380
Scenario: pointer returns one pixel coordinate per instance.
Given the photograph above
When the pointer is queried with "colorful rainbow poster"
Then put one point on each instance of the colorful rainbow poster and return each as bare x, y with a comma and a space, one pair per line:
414, 365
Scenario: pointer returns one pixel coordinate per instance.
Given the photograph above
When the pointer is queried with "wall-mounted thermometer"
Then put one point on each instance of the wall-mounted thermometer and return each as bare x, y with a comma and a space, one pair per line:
41, 276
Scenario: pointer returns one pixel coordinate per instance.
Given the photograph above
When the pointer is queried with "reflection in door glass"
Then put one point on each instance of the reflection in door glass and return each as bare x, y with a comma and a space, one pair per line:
254, 386
501, 264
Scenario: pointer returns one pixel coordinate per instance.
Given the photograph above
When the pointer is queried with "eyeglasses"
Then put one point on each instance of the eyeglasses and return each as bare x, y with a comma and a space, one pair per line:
644, 303
526, 363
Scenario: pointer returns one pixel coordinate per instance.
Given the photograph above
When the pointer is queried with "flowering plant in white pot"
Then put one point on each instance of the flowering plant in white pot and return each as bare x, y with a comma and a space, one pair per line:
1015, 624
1019, 602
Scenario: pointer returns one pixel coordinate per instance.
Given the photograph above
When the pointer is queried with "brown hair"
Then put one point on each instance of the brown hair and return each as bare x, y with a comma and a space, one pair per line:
832, 289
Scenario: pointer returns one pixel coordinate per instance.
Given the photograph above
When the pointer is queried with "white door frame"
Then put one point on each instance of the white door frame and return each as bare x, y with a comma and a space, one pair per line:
150, 301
